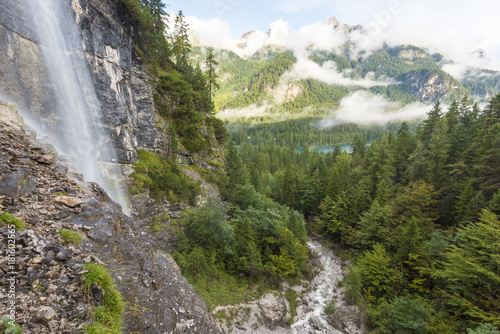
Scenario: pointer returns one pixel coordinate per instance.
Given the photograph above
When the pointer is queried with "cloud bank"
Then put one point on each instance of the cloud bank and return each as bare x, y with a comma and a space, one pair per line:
363, 108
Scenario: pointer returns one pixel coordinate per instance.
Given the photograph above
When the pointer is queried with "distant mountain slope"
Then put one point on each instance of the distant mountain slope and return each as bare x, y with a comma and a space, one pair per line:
312, 82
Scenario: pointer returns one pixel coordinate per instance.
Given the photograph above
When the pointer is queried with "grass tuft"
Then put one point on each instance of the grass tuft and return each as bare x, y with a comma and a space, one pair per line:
107, 317
70, 237
8, 219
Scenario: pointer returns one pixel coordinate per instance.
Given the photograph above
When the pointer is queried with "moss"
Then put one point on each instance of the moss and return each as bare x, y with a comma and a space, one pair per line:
107, 317
70, 237
8, 219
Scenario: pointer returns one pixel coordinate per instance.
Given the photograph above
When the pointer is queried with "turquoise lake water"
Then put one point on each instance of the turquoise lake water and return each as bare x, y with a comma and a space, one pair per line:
325, 149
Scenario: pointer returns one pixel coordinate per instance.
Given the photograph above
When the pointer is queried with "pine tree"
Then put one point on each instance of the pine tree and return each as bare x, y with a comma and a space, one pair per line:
210, 70
437, 156
158, 12
180, 40
471, 270
430, 123
417, 164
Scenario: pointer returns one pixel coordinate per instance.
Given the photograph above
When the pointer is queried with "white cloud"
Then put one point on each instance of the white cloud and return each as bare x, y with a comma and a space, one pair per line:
214, 32
363, 108
247, 112
327, 73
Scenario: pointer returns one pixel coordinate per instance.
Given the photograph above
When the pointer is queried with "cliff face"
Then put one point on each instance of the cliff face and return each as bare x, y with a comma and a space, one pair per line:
120, 82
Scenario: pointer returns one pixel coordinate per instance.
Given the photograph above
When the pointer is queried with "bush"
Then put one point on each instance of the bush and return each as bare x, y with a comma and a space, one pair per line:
8, 219
291, 296
330, 308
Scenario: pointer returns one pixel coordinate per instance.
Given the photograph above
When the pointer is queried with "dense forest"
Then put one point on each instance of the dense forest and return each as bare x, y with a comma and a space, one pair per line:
417, 212
305, 132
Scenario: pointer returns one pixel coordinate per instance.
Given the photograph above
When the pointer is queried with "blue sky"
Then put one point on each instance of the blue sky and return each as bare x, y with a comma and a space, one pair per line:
246, 15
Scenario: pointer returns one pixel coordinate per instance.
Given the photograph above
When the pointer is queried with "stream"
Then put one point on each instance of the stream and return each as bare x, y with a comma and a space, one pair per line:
323, 290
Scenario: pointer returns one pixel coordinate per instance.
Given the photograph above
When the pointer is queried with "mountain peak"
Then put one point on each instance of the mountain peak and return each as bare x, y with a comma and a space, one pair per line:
338, 25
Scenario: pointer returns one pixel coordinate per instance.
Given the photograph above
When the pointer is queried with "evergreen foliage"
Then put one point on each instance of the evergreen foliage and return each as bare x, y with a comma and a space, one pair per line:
417, 209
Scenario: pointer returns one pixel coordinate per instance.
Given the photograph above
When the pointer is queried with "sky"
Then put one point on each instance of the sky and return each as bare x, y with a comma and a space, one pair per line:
444, 23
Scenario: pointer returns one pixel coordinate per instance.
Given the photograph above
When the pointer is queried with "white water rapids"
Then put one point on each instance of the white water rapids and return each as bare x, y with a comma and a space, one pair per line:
323, 290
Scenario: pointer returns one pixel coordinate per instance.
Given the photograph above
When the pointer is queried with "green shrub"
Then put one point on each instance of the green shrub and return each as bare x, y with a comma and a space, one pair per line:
330, 308
163, 178
107, 317
8, 219
70, 237
8, 326
291, 296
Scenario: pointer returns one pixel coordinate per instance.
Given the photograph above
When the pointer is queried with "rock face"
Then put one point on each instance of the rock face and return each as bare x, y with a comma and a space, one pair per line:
50, 296
120, 82
431, 85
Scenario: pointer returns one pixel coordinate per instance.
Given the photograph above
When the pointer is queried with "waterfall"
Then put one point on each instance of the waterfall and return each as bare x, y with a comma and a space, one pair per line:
79, 133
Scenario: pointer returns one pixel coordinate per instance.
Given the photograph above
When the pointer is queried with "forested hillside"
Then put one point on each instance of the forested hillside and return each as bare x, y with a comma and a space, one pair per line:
406, 74
417, 212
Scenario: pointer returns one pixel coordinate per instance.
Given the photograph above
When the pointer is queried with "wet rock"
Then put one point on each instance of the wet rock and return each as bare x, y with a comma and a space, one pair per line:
316, 323
347, 319
45, 159
60, 253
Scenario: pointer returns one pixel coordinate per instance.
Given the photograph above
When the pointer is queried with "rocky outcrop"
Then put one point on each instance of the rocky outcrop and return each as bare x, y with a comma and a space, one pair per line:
431, 85
120, 82
50, 296
412, 54
342, 27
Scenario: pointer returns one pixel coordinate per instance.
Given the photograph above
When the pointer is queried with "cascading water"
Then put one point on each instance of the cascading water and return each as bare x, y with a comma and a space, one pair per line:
323, 290
79, 134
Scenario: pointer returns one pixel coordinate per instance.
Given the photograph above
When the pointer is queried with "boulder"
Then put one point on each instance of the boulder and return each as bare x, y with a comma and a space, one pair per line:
69, 201
273, 311
16, 184
347, 319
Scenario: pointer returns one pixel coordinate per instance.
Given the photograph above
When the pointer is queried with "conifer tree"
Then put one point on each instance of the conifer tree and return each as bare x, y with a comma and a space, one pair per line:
180, 40
430, 123
210, 68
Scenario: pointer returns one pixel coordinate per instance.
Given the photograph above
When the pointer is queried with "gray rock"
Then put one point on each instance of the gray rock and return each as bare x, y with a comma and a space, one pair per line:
44, 314
272, 311
16, 184
316, 323
346, 317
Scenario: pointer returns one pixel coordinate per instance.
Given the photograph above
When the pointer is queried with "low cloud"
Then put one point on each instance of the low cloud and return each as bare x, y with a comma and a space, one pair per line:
364, 108
247, 112
307, 69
